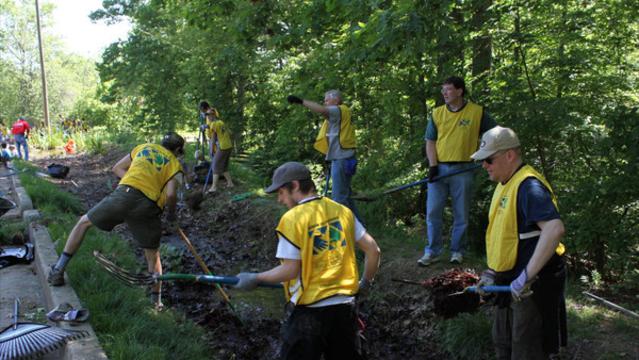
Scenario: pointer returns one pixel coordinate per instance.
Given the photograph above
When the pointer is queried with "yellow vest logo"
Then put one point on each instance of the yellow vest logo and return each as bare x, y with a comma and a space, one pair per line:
464, 122
327, 237
154, 157
503, 202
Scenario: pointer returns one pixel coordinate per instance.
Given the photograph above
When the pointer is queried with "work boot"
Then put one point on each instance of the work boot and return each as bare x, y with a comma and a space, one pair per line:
456, 258
56, 277
427, 259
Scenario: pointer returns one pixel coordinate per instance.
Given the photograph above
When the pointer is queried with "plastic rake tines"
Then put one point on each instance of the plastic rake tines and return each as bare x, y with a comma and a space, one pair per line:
122, 274
30, 340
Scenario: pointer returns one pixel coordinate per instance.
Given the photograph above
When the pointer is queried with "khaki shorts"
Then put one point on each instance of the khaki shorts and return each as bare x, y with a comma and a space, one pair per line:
129, 205
221, 161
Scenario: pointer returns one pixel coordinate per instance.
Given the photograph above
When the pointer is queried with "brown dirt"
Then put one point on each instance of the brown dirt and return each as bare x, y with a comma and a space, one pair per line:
234, 236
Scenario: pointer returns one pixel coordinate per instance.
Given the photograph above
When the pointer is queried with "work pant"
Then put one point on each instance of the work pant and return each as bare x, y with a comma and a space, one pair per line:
517, 331
459, 187
21, 140
342, 171
307, 333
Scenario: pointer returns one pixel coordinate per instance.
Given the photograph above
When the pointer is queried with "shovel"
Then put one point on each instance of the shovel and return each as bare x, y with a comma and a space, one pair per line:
418, 182
487, 288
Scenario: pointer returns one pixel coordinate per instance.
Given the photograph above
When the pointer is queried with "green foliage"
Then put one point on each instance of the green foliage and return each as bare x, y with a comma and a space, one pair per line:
44, 193
467, 336
8, 231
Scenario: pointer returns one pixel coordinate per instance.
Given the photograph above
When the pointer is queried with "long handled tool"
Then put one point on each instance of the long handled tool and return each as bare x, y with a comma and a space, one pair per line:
418, 182
469, 289
612, 305
24, 340
202, 264
145, 279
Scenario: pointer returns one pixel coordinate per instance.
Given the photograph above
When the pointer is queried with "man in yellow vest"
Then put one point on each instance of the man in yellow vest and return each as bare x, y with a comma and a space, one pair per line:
316, 247
452, 135
523, 250
336, 140
148, 185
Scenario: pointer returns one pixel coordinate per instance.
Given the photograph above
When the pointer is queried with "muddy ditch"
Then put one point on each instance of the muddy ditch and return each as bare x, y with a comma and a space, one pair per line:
233, 236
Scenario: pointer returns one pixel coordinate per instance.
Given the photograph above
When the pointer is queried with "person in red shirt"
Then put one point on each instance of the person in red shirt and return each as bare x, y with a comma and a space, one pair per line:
21, 131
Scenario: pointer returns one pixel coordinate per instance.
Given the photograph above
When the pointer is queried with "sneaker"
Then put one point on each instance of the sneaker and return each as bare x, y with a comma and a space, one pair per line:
56, 277
456, 258
427, 259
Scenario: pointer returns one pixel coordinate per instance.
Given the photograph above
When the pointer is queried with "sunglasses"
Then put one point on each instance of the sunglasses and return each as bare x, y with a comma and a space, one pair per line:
489, 160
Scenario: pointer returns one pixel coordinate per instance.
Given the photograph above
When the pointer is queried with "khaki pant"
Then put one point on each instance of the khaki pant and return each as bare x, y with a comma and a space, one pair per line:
517, 331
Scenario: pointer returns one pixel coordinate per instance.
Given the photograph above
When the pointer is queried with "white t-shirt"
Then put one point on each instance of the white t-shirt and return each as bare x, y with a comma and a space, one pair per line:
286, 250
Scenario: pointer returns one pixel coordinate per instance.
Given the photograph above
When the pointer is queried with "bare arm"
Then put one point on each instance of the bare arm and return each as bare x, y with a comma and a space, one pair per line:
171, 195
551, 233
315, 107
120, 168
371, 262
289, 269
431, 152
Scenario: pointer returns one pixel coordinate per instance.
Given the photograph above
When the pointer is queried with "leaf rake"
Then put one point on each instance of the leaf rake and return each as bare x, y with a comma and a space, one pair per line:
24, 340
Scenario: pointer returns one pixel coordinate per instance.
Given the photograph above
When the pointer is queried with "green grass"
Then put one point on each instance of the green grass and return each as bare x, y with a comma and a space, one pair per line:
122, 317
9, 230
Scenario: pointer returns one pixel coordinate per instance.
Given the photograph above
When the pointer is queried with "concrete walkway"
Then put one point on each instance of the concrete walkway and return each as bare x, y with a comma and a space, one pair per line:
28, 281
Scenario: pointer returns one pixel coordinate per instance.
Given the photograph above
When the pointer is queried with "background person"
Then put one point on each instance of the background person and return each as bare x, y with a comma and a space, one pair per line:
148, 185
220, 147
316, 247
21, 131
336, 140
452, 135
523, 250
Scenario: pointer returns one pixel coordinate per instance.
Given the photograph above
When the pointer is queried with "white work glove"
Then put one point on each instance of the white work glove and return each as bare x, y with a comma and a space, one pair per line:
520, 287
487, 279
248, 281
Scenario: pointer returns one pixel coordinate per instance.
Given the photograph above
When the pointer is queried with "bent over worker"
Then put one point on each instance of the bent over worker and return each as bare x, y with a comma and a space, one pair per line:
336, 140
316, 247
523, 250
148, 185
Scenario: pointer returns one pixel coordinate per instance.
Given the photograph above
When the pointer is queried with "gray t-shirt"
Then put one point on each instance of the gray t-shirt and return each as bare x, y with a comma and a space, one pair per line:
335, 151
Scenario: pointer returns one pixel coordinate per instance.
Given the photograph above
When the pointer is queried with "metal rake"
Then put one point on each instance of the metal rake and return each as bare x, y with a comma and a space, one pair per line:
24, 340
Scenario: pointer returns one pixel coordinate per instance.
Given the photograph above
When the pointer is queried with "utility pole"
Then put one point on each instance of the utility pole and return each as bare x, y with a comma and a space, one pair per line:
42, 71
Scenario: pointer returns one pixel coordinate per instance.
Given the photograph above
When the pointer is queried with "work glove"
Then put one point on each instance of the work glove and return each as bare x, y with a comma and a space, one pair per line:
204, 127
364, 288
520, 287
247, 281
432, 173
292, 99
487, 279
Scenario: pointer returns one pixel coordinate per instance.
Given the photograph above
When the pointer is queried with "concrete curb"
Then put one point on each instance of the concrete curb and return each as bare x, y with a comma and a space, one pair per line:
45, 255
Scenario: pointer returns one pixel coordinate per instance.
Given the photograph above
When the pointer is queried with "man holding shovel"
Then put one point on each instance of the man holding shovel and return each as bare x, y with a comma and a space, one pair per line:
523, 250
452, 135
316, 248
148, 185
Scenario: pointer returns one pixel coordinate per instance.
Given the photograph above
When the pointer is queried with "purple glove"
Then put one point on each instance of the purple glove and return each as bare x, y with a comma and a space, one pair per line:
520, 287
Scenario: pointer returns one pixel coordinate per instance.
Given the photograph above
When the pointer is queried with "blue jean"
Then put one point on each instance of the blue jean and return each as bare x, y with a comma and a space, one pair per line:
341, 172
21, 140
459, 187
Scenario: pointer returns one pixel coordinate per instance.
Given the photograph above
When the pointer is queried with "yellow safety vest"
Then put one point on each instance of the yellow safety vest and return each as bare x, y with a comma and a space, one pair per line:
502, 235
223, 134
324, 232
152, 167
457, 132
346, 132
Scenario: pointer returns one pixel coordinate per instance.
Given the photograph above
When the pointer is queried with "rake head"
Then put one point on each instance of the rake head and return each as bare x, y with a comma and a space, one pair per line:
30, 340
122, 274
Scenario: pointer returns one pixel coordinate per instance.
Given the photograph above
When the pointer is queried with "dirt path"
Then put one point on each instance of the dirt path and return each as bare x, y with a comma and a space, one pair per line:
234, 236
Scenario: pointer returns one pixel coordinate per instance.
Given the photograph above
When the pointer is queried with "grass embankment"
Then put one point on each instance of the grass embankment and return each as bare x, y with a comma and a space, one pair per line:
123, 317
